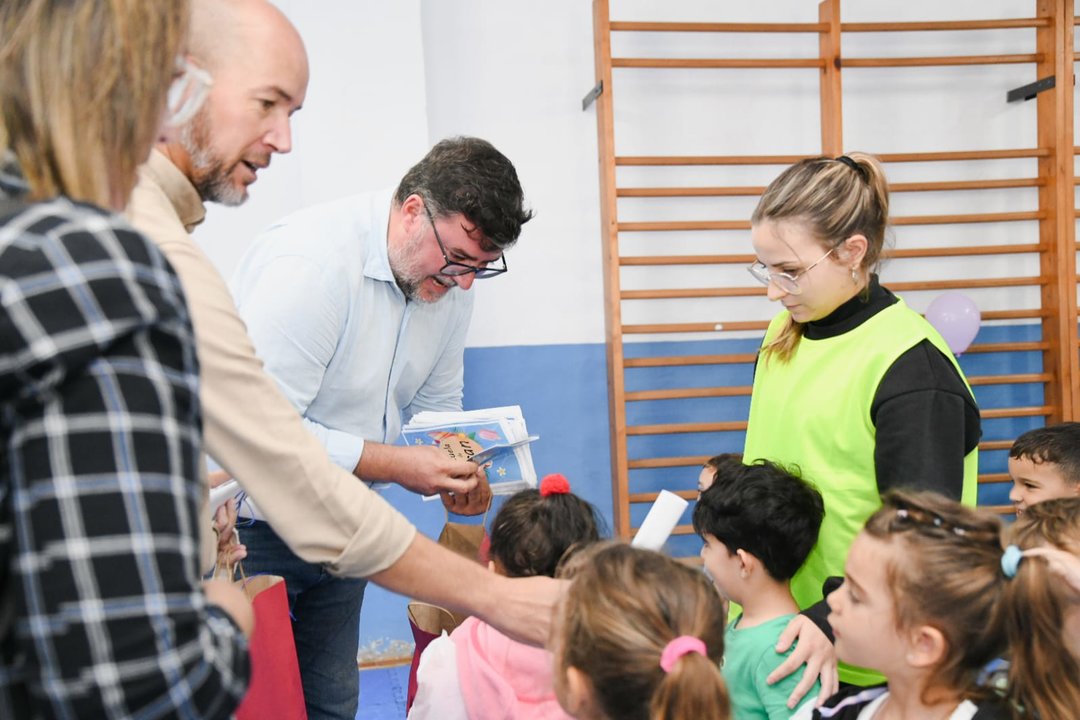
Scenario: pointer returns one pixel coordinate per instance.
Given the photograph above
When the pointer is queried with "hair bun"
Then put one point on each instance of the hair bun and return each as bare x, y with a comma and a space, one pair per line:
554, 484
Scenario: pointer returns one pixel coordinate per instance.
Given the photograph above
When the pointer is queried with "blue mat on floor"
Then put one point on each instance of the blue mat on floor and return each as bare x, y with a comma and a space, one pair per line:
382, 693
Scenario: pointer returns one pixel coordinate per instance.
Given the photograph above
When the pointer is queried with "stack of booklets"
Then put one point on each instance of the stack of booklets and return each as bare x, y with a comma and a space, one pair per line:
494, 438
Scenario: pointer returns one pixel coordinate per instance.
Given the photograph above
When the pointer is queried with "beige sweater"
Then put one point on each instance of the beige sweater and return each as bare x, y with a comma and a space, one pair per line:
324, 513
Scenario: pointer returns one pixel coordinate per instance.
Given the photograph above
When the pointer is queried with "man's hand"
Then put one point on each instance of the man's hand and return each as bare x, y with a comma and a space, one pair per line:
424, 469
815, 650
525, 608
474, 502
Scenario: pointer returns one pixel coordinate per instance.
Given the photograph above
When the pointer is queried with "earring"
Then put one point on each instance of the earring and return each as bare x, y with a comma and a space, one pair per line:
854, 275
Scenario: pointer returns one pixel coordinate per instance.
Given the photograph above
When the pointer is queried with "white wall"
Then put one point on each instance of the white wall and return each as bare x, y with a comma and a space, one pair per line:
390, 78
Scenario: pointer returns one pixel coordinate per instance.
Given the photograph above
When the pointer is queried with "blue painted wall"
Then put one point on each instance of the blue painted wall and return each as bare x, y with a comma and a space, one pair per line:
562, 390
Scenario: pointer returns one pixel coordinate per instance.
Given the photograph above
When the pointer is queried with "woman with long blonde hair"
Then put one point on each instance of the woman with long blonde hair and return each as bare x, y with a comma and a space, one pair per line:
102, 613
851, 386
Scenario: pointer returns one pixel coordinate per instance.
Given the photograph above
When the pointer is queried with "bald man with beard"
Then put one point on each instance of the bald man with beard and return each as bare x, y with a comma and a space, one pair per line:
321, 511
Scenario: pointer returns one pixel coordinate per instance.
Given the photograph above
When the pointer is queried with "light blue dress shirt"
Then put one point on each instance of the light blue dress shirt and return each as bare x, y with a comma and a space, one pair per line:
333, 328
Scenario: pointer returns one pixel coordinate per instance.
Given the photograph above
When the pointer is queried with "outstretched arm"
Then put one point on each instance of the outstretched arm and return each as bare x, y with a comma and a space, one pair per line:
519, 607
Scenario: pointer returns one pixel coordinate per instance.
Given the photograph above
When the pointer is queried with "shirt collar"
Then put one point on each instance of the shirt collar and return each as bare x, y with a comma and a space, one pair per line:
183, 195
377, 265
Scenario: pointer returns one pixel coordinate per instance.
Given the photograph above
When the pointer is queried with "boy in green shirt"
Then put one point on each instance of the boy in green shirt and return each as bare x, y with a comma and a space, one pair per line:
758, 523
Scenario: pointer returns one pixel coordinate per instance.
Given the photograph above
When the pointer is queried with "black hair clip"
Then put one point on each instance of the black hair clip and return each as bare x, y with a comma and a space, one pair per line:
853, 165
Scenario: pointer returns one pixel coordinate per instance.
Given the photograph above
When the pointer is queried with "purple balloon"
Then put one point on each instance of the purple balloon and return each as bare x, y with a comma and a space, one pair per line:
956, 317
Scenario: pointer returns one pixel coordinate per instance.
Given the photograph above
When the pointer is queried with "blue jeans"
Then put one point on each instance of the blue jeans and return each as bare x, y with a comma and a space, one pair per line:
326, 622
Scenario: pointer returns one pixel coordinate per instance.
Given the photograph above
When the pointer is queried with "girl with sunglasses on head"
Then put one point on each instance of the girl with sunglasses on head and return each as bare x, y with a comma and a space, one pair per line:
851, 385
925, 601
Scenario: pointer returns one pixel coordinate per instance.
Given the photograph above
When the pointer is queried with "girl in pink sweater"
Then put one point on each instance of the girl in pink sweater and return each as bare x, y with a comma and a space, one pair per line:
477, 673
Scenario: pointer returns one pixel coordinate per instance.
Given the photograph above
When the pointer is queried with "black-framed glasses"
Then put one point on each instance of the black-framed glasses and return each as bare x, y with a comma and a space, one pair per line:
785, 281
453, 268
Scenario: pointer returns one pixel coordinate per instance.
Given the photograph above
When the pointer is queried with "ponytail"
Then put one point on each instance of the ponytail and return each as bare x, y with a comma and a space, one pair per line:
646, 631
693, 688
782, 347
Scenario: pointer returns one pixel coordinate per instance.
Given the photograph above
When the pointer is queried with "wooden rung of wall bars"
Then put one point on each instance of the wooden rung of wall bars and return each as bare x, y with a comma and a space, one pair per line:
1004, 24
686, 360
715, 63
686, 393
1020, 378
716, 292
947, 25
651, 260
729, 326
628, 26
894, 253
941, 61
943, 156
1039, 345
678, 428
752, 191
1015, 412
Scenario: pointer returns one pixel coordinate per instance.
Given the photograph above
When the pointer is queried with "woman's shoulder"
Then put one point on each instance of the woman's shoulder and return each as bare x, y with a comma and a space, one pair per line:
62, 233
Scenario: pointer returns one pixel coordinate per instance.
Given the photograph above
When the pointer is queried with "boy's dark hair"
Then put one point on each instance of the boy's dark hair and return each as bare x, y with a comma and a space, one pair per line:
531, 533
468, 175
721, 463
1058, 444
765, 510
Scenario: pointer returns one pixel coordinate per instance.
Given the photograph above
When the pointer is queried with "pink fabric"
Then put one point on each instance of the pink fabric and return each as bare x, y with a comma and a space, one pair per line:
502, 679
678, 647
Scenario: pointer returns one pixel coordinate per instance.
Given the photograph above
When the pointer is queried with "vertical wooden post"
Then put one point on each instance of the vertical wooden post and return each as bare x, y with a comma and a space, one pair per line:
1057, 228
605, 129
832, 115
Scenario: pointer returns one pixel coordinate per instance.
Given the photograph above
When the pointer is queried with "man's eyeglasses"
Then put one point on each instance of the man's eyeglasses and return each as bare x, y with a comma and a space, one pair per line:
187, 92
786, 282
457, 269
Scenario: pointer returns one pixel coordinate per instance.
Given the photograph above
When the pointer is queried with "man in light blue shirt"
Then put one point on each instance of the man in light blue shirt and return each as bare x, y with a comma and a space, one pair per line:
359, 308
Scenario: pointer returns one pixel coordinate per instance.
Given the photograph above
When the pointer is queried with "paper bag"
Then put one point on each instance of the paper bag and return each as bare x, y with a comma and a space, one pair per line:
275, 690
427, 623
466, 540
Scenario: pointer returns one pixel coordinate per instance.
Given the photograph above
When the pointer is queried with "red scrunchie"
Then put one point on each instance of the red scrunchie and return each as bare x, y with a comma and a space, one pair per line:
554, 484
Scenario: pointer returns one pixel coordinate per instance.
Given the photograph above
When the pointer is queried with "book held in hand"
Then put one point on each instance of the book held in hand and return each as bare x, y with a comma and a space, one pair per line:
494, 438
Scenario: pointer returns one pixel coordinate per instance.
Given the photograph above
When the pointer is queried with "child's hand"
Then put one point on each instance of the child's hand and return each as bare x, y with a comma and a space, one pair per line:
229, 550
815, 651
1062, 563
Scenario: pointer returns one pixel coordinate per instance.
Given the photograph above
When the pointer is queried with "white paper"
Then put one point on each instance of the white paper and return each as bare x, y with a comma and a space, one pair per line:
662, 518
220, 494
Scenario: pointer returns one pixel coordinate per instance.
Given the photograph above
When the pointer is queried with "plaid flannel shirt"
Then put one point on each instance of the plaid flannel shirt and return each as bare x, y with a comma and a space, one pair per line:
101, 612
